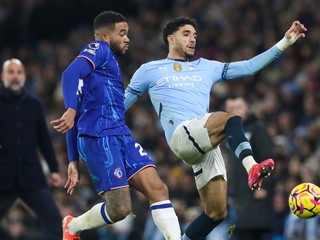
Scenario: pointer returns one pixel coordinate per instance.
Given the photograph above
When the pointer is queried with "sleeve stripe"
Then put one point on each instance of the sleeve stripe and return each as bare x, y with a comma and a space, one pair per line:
82, 56
135, 92
225, 70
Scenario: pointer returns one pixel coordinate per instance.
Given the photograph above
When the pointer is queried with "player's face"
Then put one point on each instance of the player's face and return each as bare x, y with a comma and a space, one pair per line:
13, 76
184, 42
118, 38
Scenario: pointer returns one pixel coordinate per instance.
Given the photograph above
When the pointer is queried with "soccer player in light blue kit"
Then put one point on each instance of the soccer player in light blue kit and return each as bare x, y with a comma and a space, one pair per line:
113, 157
180, 92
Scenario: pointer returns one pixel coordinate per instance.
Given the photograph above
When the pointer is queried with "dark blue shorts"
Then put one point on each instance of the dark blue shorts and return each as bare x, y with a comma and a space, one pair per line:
112, 160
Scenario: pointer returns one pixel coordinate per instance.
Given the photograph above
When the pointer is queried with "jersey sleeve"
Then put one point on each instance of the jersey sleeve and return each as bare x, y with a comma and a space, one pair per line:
70, 81
97, 53
251, 66
71, 140
130, 98
216, 70
139, 84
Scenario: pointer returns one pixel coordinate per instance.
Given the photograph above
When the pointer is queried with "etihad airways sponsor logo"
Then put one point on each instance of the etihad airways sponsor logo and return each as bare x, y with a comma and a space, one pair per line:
179, 79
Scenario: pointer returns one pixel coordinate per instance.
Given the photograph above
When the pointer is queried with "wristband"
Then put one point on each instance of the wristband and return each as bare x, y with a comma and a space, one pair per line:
284, 43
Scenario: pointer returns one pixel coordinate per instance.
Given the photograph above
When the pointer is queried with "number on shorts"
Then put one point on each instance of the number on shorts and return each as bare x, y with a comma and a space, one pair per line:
141, 151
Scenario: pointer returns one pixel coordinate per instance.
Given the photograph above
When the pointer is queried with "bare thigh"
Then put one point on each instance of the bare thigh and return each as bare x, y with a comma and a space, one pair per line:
215, 126
148, 182
214, 198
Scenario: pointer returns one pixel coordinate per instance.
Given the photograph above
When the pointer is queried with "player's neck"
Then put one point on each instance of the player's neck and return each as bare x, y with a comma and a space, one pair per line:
177, 58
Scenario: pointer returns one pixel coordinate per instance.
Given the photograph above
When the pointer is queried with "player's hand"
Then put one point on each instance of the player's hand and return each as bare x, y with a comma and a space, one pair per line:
296, 31
66, 122
73, 177
55, 179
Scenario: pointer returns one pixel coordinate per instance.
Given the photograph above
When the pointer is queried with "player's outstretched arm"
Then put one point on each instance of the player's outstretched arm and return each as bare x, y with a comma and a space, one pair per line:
296, 31
255, 64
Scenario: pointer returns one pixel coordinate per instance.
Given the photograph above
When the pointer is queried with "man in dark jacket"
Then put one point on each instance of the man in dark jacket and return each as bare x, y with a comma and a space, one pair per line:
23, 131
253, 209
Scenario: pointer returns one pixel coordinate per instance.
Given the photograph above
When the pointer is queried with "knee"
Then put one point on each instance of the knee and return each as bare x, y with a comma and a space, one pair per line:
161, 187
123, 211
232, 114
118, 212
217, 214
159, 191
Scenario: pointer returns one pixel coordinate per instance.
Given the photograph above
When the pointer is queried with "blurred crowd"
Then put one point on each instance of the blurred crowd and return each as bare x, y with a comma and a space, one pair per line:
46, 35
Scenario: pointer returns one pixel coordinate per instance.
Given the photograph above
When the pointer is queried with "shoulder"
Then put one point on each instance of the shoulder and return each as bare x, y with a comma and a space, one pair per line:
152, 65
203, 61
155, 63
95, 46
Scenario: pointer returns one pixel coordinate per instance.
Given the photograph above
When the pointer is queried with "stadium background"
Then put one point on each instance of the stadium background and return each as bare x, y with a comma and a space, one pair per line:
47, 34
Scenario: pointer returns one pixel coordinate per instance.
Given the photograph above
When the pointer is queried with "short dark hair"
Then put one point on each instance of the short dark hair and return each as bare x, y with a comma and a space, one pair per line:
107, 19
174, 24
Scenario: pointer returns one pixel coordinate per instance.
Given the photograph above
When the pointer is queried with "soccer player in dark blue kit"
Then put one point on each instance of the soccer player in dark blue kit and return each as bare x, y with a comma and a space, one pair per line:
113, 157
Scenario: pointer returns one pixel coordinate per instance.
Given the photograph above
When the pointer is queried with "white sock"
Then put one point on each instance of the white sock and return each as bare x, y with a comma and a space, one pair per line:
248, 162
166, 219
91, 219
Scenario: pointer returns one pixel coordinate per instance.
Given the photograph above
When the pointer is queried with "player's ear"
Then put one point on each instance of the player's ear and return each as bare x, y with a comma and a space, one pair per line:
104, 36
170, 39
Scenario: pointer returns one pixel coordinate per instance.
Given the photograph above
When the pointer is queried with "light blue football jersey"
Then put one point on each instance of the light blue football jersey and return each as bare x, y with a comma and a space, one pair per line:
180, 90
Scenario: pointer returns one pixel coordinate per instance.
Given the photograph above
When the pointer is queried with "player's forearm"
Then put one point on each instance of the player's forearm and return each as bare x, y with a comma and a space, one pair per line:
72, 148
253, 65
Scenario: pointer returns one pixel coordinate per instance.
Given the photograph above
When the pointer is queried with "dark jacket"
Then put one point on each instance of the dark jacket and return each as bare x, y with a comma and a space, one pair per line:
23, 131
252, 213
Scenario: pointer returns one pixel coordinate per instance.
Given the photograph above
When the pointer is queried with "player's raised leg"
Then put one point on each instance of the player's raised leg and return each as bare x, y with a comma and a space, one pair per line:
223, 125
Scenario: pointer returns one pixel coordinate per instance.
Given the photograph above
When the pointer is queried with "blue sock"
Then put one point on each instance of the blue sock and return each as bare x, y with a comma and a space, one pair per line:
200, 227
236, 138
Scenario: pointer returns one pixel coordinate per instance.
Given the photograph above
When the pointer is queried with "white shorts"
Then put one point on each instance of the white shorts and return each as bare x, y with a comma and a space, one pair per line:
190, 141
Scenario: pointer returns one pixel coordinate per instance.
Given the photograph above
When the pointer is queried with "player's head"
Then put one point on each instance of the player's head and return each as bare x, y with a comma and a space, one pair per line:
13, 75
112, 27
180, 35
